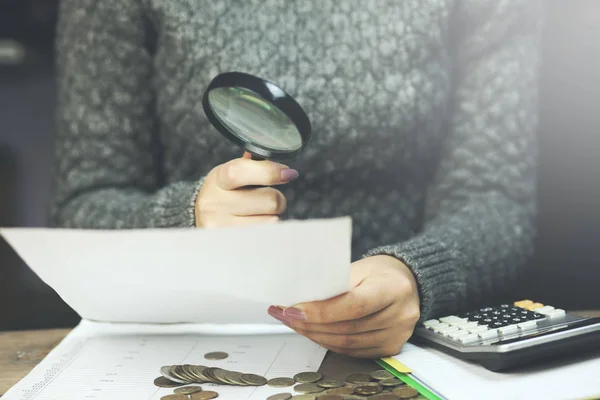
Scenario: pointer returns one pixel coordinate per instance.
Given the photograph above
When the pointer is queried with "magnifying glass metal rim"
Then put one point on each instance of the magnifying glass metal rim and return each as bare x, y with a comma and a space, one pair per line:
269, 92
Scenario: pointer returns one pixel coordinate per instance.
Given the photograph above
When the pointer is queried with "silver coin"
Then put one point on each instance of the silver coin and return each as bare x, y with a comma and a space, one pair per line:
381, 375
330, 383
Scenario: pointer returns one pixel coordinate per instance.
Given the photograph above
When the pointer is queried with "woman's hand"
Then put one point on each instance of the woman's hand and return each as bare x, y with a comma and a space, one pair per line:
229, 195
374, 319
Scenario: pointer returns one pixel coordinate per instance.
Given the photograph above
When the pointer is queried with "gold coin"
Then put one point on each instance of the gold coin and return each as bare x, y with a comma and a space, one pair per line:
384, 396
174, 397
344, 391
405, 392
308, 388
280, 396
381, 375
220, 375
391, 382
330, 383
368, 389
304, 397
163, 382
216, 355
187, 390
280, 382
253, 380
359, 378
308, 377
209, 394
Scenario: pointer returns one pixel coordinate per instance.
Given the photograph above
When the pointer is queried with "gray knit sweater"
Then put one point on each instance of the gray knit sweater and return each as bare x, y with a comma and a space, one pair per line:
423, 117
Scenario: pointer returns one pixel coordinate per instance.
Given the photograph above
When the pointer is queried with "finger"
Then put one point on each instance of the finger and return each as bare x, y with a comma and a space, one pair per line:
352, 341
247, 155
256, 201
379, 320
365, 299
220, 221
245, 172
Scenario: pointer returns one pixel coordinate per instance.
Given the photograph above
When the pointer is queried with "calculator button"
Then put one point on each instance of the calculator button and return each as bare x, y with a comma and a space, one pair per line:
505, 306
507, 330
486, 309
477, 329
544, 310
457, 334
443, 331
527, 325
466, 325
431, 322
476, 317
523, 303
556, 313
534, 306
437, 327
452, 319
491, 334
469, 339
538, 316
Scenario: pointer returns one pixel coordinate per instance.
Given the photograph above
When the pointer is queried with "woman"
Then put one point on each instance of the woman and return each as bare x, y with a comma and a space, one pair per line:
423, 116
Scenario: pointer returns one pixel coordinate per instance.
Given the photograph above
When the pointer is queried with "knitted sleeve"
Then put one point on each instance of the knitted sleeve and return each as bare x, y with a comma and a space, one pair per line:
107, 168
479, 225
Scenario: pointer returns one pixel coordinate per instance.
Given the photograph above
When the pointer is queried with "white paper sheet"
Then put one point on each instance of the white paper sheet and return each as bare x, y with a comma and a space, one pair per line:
455, 379
227, 275
103, 361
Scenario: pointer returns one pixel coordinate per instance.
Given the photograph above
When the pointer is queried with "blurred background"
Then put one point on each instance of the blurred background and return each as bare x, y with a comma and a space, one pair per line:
565, 273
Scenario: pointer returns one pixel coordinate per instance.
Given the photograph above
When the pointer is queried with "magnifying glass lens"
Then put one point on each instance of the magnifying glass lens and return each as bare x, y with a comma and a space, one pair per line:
253, 119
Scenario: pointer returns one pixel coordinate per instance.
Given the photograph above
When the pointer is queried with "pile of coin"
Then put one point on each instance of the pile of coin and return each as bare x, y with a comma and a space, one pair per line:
378, 385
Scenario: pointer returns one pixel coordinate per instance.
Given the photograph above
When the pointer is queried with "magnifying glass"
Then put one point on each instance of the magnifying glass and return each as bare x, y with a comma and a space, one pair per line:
257, 115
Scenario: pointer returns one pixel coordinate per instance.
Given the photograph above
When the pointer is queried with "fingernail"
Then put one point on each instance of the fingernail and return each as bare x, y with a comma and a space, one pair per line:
277, 313
294, 313
289, 174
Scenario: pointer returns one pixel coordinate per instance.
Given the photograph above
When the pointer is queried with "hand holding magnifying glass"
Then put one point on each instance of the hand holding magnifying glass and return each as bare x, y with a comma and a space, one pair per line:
269, 124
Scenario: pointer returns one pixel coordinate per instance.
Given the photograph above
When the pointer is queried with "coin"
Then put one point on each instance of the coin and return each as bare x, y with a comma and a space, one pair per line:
187, 390
308, 377
303, 397
280, 396
405, 392
174, 397
235, 377
381, 375
384, 396
359, 378
166, 371
163, 382
368, 389
330, 397
216, 355
209, 394
329, 383
391, 382
308, 388
253, 380
341, 390
280, 382
220, 375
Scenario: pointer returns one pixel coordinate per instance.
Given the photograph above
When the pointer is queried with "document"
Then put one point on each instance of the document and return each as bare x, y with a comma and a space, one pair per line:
217, 276
452, 378
104, 361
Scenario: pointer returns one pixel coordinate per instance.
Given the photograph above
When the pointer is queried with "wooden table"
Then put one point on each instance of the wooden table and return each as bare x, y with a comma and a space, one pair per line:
22, 350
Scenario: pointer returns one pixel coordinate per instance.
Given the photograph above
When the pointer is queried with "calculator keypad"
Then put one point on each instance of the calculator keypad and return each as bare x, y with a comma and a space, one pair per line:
490, 324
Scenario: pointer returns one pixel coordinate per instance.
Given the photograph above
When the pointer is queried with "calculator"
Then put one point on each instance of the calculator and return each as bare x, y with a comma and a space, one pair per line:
512, 335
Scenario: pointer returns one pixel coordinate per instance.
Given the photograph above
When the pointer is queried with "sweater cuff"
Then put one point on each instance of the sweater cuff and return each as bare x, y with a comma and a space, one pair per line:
176, 204
436, 268
191, 211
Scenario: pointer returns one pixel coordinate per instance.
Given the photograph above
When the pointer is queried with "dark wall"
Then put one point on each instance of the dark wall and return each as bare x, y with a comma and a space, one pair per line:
567, 270
565, 273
